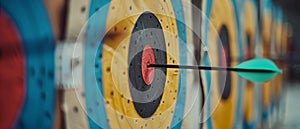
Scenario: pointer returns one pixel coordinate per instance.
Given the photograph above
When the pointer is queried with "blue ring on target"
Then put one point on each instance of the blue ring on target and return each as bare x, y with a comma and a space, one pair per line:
180, 103
206, 59
96, 25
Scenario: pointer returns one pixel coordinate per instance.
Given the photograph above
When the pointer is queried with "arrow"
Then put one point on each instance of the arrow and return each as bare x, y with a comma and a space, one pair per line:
256, 70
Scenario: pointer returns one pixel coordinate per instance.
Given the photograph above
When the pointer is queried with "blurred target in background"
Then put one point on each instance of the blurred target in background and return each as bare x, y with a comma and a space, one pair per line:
27, 66
221, 14
266, 15
250, 33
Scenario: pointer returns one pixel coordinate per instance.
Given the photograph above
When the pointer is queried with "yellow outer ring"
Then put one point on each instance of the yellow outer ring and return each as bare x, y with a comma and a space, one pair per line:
222, 13
119, 107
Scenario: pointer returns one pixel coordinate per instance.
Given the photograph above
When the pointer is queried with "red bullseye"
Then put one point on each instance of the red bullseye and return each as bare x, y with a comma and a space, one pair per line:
148, 58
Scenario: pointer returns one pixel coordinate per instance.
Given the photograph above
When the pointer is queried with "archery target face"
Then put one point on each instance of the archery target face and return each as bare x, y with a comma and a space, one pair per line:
142, 100
276, 55
250, 34
219, 27
265, 53
120, 91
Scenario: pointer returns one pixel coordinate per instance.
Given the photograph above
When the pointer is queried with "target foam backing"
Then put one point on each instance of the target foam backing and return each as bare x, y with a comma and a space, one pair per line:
28, 52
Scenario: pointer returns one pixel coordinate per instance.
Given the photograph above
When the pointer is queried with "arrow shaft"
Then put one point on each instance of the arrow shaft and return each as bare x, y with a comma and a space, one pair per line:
196, 67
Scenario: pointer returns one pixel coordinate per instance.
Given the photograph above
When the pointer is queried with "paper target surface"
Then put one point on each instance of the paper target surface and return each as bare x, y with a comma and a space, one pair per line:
223, 30
32, 45
120, 39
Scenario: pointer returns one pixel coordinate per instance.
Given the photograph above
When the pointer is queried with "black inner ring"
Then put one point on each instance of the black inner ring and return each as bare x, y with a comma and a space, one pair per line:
147, 31
224, 38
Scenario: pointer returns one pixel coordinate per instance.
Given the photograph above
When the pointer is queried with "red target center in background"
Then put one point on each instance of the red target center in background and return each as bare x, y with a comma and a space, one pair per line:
12, 72
148, 58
